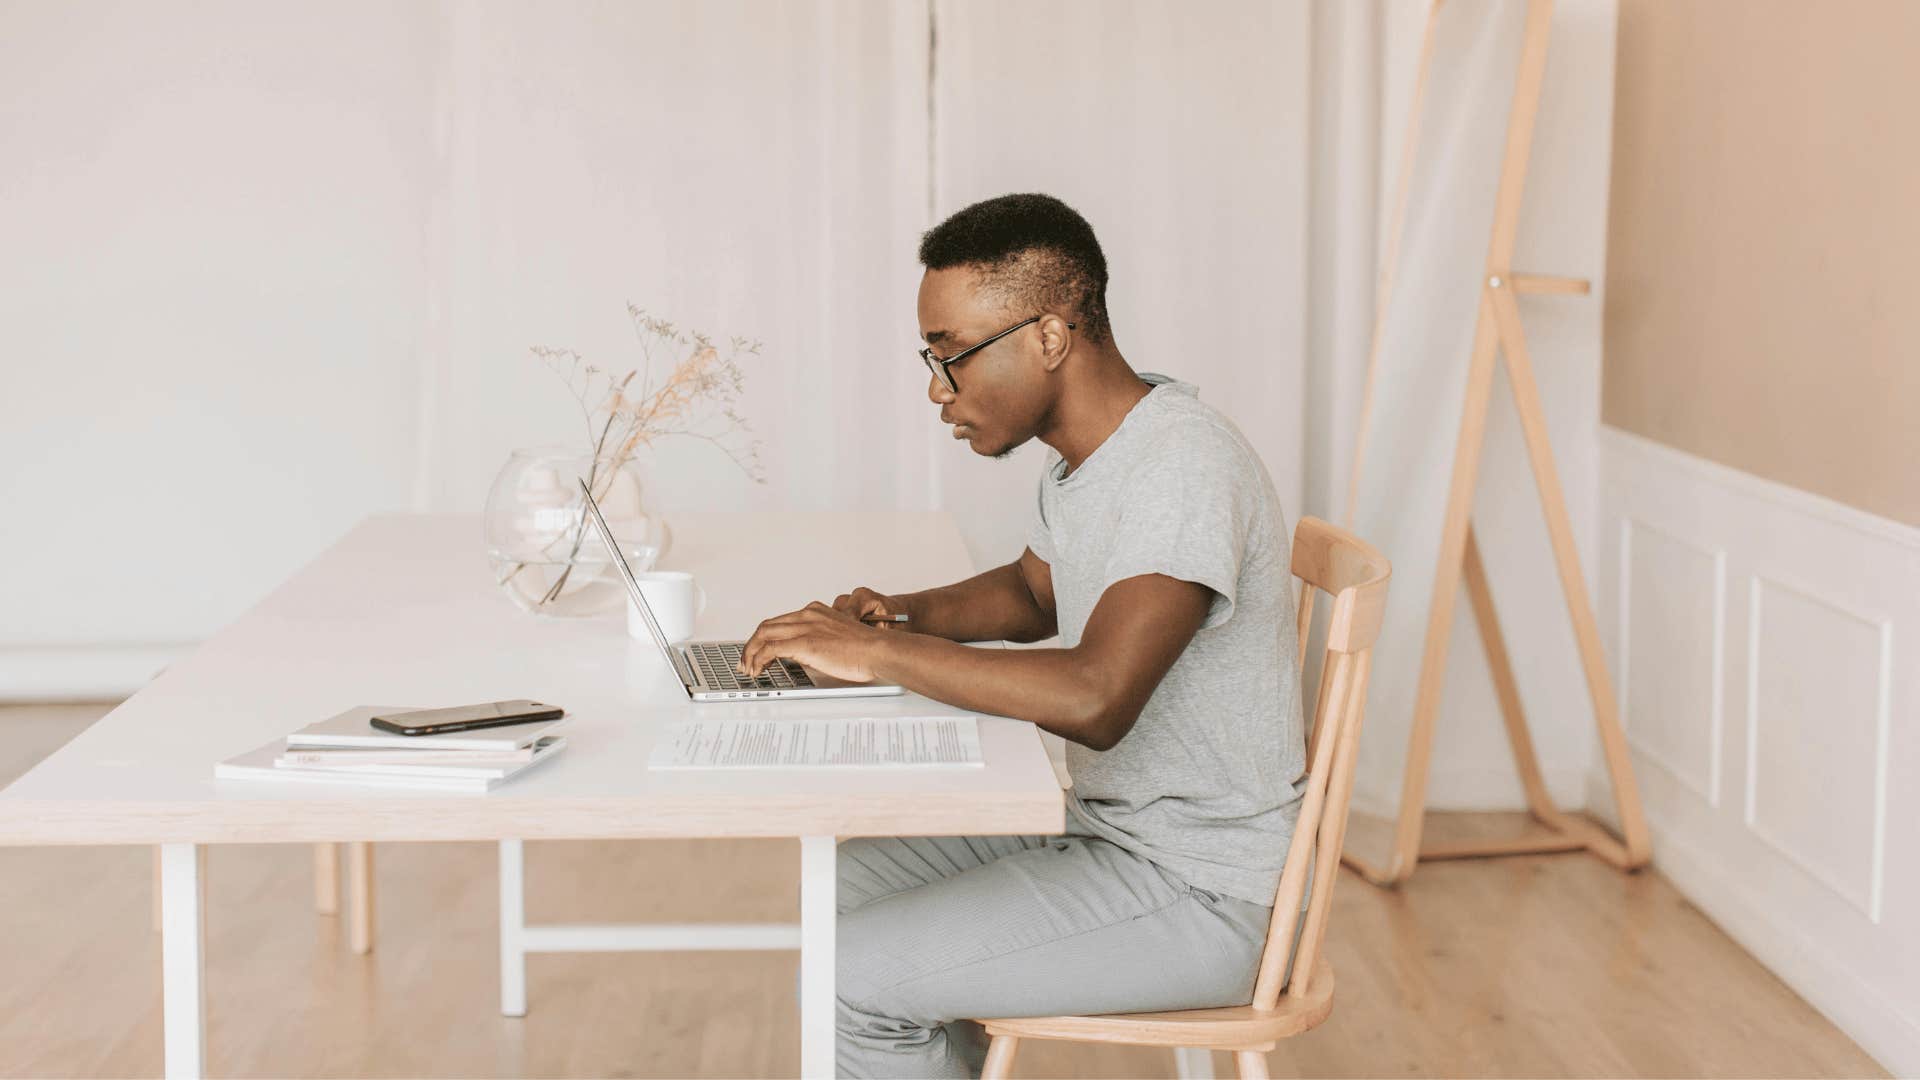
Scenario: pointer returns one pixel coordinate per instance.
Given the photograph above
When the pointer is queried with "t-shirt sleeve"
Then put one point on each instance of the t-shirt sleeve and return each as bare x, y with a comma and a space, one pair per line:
1040, 537
1188, 516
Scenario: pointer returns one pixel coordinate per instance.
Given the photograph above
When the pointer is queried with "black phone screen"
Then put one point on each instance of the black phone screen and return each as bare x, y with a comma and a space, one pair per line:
467, 717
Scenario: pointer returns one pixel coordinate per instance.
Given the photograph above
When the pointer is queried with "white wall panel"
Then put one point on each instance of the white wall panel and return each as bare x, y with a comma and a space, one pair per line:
1672, 654
1812, 857
1816, 733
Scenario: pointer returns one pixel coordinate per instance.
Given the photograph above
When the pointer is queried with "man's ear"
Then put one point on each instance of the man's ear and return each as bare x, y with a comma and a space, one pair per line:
1056, 341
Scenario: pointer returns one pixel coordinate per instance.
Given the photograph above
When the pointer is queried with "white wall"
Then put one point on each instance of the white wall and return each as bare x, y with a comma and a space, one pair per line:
1768, 648
745, 168
212, 287
269, 269
1183, 139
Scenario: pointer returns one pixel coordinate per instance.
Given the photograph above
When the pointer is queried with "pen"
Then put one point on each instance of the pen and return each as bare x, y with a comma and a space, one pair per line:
884, 618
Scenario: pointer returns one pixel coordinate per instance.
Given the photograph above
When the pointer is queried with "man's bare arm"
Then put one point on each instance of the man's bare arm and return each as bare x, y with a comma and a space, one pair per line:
1008, 603
1091, 693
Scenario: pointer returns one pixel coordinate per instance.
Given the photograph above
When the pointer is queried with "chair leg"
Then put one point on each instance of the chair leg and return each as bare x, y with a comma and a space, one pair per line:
360, 896
326, 879
1000, 1053
1252, 1064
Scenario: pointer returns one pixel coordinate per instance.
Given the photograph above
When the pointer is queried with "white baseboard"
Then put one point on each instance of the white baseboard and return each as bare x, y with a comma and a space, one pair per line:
81, 672
1780, 942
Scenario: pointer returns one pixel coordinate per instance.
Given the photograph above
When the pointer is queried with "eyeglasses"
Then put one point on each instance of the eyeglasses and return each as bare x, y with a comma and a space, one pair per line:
939, 367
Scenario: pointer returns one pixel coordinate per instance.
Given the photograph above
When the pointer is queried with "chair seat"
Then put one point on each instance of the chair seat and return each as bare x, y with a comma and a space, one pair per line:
1239, 1027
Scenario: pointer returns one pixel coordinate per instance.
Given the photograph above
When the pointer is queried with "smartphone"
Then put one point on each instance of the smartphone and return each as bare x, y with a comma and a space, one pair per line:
467, 717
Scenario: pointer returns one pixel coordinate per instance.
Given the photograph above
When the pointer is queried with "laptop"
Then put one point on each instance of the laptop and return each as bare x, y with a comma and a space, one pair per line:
707, 668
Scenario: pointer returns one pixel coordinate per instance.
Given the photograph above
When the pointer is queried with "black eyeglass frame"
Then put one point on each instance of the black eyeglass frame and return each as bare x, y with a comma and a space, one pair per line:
939, 366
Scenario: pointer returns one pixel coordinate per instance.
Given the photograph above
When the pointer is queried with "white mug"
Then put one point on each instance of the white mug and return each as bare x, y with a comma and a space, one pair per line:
675, 600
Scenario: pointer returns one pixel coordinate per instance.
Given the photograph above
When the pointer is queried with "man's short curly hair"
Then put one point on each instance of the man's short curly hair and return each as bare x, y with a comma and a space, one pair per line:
1033, 250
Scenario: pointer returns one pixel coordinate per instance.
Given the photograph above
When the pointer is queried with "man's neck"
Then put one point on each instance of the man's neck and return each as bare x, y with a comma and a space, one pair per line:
1086, 416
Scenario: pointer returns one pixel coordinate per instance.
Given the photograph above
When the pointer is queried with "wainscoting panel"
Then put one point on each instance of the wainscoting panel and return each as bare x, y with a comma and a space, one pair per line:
1815, 736
1672, 653
1767, 642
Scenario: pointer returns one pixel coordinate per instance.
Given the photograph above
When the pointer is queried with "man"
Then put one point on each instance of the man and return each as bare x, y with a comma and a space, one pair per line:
1160, 557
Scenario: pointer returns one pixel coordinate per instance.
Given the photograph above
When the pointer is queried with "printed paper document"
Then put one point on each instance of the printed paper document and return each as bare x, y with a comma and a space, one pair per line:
786, 744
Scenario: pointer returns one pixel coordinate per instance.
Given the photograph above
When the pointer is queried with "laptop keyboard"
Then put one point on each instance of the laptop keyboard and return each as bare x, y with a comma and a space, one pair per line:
716, 662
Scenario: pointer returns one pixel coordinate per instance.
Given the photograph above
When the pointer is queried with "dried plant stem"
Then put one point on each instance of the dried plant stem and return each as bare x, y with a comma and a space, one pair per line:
580, 528
696, 396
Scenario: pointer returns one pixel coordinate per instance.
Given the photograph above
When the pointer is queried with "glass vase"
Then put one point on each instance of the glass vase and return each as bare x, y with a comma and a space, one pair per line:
545, 553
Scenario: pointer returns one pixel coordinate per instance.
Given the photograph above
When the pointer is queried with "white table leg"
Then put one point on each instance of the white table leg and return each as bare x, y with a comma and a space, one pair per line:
1192, 1063
513, 929
819, 881
183, 993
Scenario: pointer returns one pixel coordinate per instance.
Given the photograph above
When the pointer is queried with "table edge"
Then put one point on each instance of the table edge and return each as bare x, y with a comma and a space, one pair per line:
38, 822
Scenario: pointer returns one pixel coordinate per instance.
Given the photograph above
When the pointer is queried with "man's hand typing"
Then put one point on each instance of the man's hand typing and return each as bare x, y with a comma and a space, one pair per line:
826, 639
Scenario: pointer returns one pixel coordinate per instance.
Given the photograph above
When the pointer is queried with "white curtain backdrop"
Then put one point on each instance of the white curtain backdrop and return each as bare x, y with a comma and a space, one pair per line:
741, 168
1181, 134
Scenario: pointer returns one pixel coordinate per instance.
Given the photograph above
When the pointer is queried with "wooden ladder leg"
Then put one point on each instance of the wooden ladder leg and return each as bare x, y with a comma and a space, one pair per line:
1500, 664
1606, 708
1000, 1053
1252, 1064
1446, 587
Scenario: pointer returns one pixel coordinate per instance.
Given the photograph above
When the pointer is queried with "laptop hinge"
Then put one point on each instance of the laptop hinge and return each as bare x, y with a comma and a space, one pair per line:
685, 668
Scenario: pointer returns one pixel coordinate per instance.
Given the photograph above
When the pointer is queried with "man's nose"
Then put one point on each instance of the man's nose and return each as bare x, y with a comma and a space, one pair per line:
937, 391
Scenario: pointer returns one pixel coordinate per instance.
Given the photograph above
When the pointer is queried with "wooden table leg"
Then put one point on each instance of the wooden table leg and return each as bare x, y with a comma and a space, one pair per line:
360, 896
326, 879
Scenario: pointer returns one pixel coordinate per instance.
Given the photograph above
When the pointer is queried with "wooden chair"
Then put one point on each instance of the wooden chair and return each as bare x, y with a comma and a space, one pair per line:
1355, 575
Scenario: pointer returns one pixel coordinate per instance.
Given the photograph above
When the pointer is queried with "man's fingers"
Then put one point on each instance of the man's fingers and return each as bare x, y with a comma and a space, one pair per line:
759, 648
757, 653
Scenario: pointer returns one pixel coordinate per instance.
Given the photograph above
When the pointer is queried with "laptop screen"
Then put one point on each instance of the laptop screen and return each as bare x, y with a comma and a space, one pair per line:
626, 575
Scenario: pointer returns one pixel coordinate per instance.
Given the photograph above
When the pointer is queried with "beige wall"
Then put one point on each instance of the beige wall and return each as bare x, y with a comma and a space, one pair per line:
1763, 255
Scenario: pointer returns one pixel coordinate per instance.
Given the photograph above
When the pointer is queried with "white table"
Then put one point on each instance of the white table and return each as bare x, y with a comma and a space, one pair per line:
402, 610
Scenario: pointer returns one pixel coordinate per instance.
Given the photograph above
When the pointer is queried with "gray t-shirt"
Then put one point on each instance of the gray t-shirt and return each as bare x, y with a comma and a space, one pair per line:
1208, 783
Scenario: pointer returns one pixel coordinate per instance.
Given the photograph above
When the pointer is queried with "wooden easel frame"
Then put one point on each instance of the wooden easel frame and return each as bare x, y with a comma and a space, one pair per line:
1498, 333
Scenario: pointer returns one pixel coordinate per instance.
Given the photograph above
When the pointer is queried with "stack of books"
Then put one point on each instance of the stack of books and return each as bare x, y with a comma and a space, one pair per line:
348, 749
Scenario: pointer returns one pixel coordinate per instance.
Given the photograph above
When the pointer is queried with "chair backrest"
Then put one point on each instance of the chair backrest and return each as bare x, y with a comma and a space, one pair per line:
1331, 560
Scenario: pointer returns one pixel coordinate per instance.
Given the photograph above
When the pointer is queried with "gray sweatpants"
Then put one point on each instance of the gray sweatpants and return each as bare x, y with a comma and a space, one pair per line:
937, 931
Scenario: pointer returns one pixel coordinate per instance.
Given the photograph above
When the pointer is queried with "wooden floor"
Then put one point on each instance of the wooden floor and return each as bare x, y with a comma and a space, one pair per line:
1542, 966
